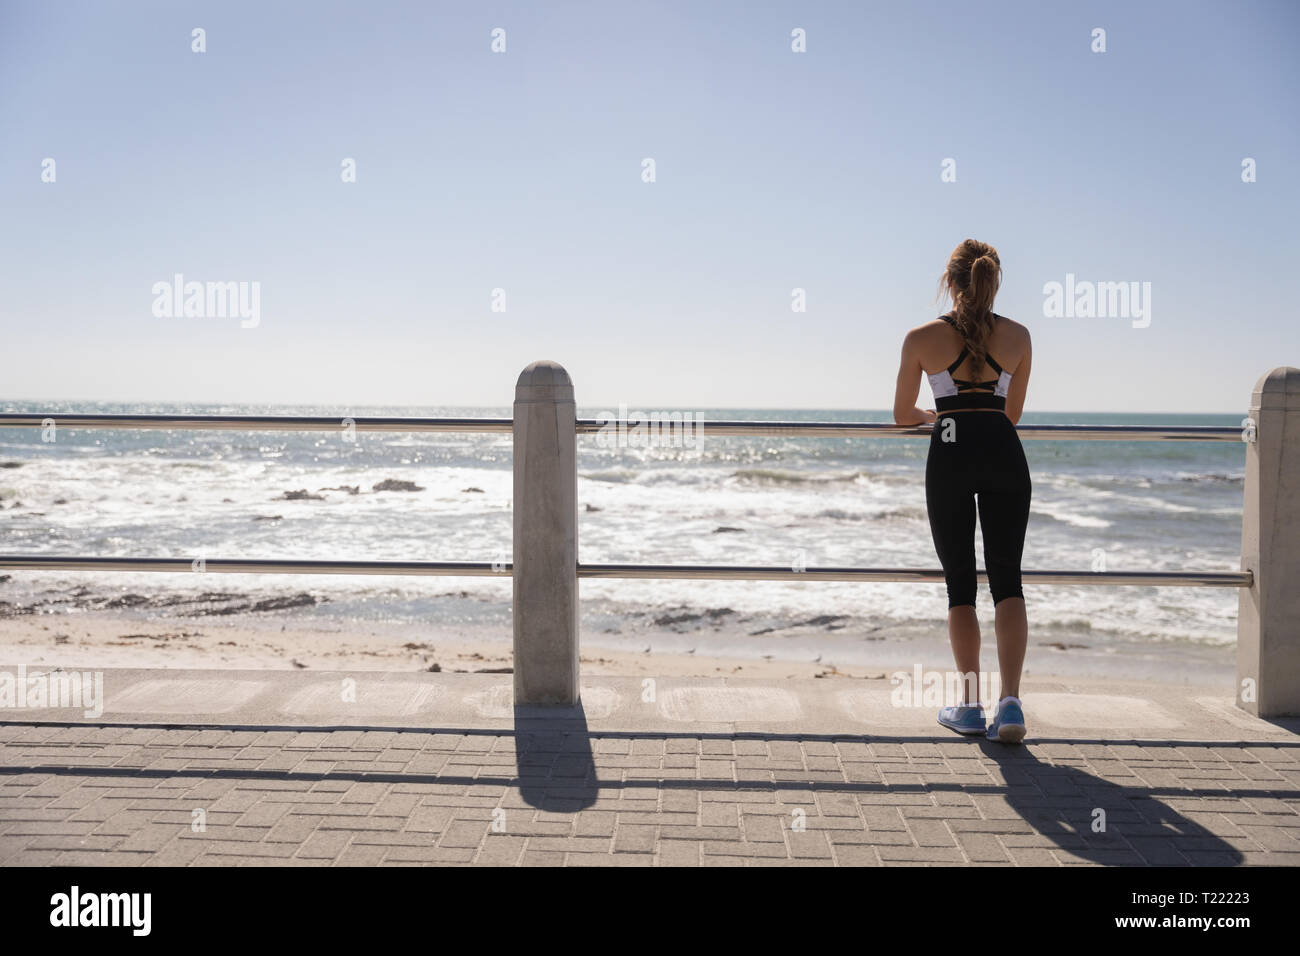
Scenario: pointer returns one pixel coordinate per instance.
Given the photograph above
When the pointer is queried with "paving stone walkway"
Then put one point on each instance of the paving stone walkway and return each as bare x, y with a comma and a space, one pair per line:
543, 790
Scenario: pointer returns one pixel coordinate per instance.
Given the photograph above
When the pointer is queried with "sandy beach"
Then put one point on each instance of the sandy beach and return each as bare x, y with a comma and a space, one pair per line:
288, 633
106, 641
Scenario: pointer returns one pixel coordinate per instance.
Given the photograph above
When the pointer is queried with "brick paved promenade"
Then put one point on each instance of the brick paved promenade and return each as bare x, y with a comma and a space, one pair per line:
439, 768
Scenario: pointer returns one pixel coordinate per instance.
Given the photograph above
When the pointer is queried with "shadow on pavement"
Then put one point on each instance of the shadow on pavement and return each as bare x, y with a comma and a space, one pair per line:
1100, 821
554, 761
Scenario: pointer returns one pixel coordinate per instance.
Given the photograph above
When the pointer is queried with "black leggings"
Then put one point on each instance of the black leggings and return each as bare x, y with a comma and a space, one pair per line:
983, 457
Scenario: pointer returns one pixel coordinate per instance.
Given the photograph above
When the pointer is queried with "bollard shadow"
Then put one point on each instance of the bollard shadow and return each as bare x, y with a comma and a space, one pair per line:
554, 762
1291, 724
1100, 821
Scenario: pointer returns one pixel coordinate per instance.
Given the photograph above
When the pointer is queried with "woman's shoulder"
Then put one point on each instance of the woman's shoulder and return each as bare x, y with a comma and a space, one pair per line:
1012, 326
942, 322
925, 329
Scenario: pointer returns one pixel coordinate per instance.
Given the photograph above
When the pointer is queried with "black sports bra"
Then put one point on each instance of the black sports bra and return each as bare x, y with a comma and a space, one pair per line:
951, 394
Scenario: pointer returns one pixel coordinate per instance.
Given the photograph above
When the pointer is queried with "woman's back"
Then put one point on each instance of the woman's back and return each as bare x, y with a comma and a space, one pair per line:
939, 350
939, 344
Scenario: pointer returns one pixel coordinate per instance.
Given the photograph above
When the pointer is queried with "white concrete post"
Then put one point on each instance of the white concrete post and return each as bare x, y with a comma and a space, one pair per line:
545, 537
1268, 613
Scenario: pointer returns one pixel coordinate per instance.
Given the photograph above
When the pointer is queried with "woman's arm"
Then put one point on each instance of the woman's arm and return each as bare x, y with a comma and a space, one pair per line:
1019, 384
909, 386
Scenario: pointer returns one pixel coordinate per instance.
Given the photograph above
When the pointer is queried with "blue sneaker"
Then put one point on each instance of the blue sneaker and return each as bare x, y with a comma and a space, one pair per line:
965, 719
1009, 724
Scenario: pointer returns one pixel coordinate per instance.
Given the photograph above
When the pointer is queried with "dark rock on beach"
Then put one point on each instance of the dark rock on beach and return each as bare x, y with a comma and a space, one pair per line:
828, 621
392, 484
206, 597
712, 614
832, 622
302, 494
206, 604
724, 529
220, 610
472, 490
302, 599
667, 620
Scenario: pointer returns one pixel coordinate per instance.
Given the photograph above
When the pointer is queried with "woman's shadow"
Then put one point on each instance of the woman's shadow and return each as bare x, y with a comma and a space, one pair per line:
1103, 822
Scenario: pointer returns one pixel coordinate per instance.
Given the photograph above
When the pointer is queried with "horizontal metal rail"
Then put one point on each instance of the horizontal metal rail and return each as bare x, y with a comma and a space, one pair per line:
254, 423
587, 426
1203, 579
886, 430
16, 562
1230, 579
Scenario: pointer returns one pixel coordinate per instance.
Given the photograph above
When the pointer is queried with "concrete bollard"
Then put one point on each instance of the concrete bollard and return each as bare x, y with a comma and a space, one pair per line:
1268, 614
545, 537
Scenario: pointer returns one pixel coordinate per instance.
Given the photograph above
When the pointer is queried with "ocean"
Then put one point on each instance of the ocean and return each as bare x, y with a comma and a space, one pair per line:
737, 500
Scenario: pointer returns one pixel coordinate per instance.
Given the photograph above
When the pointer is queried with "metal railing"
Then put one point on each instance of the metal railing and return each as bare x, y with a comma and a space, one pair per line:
545, 569
259, 423
482, 569
587, 426
1180, 433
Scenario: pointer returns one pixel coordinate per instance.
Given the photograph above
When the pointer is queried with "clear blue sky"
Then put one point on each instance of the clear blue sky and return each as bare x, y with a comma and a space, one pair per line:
522, 171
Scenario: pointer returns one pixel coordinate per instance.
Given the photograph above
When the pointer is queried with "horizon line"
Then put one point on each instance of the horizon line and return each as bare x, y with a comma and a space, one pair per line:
589, 405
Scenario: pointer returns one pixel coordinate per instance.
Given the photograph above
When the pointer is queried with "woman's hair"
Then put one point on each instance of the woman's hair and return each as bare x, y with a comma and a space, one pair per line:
972, 277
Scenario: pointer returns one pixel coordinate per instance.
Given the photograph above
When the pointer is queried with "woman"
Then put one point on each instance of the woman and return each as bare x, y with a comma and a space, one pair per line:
975, 455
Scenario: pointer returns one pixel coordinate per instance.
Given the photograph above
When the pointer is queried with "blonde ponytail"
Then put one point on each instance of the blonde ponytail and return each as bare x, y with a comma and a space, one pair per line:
973, 276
